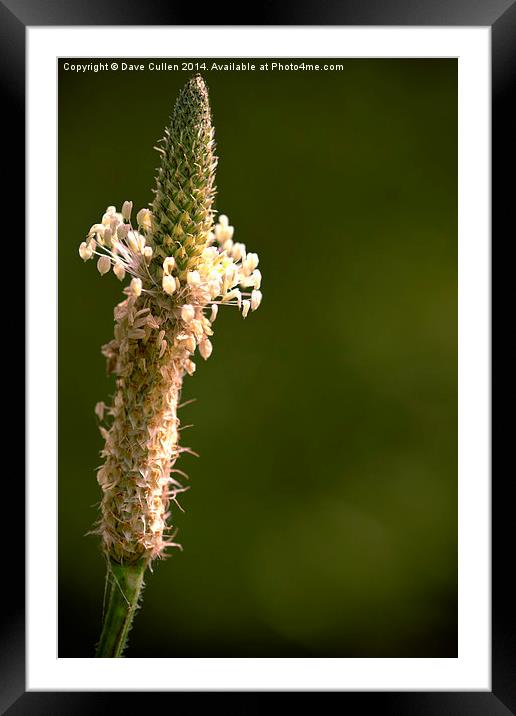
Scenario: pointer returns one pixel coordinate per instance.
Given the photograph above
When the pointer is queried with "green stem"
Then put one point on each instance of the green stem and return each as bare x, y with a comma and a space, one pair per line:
125, 586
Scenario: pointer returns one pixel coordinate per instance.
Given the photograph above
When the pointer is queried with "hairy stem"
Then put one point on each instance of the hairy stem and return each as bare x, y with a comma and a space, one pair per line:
125, 586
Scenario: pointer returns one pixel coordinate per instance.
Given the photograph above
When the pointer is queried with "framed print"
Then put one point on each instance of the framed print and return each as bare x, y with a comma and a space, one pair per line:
258, 355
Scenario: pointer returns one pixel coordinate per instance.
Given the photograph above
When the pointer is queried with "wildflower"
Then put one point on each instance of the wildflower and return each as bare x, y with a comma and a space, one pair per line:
182, 265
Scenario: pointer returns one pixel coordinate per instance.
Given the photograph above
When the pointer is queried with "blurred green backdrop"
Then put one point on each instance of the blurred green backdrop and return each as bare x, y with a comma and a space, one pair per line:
322, 519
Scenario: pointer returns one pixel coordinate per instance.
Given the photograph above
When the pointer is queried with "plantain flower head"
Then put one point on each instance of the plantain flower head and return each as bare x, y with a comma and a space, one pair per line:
181, 266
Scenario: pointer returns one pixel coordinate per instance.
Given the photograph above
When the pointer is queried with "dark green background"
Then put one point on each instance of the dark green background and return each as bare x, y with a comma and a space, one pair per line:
322, 519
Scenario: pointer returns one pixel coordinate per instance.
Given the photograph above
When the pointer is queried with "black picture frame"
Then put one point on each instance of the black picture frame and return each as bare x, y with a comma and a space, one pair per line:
500, 16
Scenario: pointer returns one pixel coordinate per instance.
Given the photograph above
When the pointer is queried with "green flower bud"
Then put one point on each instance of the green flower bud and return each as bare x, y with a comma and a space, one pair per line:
185, 184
